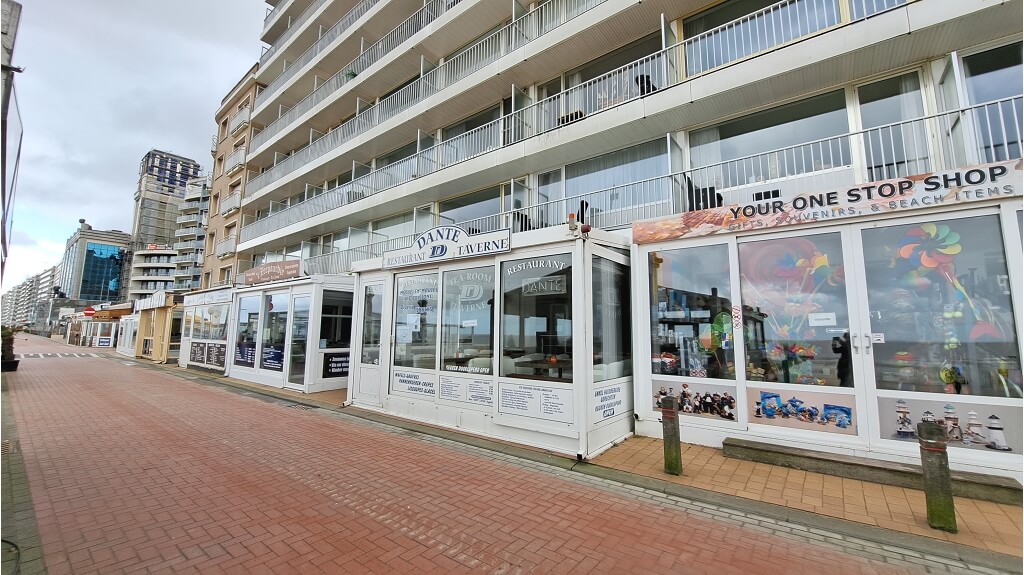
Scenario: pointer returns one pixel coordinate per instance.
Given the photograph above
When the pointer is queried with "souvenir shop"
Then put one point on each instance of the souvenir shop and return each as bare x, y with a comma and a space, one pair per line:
204, 334
286, 330
522, 337
838, 320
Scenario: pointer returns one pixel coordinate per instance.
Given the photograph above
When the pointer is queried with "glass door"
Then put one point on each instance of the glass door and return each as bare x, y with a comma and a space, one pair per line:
300, 336
275, 331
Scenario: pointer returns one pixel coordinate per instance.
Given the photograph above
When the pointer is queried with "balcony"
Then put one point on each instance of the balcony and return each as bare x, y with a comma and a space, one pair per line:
231, 203
213, 145
226, 247
293, 26
971, 136
235, 162
193, 258
239, 120
189, 232
188, 218
190, 245
404, 31
194, 206
190, 271
275, 22
186, 285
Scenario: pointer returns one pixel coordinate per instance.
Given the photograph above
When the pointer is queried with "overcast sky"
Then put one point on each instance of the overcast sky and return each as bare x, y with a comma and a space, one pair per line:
105, 81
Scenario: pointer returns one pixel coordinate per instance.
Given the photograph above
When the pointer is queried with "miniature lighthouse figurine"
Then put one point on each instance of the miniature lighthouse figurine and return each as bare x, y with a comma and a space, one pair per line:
974, 429
904, 426
928, 416
953, 431
996, 439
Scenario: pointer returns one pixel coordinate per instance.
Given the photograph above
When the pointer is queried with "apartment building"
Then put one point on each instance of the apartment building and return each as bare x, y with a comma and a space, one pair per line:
190, 237
815, 204
92, 266
234, 131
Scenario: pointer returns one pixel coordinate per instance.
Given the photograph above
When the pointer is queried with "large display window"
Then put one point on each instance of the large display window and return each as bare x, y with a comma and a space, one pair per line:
416, 321
613, 356
536, 327
467, 311
275, 330
248, 326
373, 306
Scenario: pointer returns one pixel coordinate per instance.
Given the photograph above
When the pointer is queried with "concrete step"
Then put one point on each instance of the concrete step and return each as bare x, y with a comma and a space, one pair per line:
972, 485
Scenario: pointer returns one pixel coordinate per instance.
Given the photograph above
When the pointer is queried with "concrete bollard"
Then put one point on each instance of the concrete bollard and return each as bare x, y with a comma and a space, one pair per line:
670, 436
938, 487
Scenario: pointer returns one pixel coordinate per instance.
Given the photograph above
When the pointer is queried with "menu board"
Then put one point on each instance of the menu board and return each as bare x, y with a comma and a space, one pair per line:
272, 358
216, 354
336, 364
197, 353
245, 354
474, 391
539, 401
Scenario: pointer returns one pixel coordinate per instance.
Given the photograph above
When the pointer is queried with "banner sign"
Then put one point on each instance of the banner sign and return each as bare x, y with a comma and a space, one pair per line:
207, 298
272, 272
449, 243
952, 188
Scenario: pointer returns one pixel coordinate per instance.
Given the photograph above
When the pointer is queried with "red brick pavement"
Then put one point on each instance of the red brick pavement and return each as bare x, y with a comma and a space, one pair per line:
138, 471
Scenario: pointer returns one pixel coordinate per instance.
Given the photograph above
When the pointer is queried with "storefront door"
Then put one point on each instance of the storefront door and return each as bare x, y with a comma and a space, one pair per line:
298, 355
374, 352
274, 333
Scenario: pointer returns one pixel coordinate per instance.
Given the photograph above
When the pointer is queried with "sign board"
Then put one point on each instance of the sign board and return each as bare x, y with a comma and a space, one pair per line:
103, 342
423, 384
207, 298
273, 271
336, 364
216, 354
89, 312
197, 352
473, 391
539, 401
446, 243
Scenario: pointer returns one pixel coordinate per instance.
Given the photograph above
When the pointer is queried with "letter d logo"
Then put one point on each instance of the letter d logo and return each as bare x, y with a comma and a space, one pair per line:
438, 251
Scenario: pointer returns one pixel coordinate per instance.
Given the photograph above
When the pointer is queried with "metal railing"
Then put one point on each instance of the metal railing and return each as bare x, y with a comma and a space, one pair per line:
231, 203
213, 145
239, 119
311, 53
488, 50
226, 246
191, 271
980, 134
189, 258
194, 244
193, 205
188, 218
234, 161
293, 26
184, 232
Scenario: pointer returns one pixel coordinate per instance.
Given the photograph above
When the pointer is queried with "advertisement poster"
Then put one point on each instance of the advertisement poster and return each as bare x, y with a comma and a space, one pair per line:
968, 425
197, 352
475, 391
612, 400
539, 401
423, 384
707, 401
216, 354
245, 354
272, 358
797, 408
336, 364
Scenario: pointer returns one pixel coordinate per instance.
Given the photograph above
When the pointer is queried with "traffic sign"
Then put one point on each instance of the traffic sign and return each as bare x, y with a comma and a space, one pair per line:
89, 312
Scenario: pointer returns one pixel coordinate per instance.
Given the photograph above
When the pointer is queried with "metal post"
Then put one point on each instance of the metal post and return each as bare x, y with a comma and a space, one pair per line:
938, 487
670, 435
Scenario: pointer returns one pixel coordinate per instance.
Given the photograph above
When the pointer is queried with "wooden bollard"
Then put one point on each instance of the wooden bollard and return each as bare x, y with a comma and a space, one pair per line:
670, 436
938, 487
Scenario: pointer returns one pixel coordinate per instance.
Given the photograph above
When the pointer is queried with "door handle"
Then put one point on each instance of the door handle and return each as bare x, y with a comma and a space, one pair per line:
867, 343
853, 342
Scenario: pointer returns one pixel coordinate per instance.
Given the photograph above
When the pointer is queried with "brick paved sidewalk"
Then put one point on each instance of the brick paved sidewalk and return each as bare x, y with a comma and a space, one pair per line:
449, 512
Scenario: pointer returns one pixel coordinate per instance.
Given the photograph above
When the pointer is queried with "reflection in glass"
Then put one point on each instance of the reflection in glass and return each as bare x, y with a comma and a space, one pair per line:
248, 329
336, 320
940, 294
416, 321
275, 328
613, 346
373, 308
795, 289
300, 331
536, 327
466, 339
893, 149
691, 313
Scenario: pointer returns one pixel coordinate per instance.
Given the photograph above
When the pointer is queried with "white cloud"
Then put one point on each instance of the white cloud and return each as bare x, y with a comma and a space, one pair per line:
25, 261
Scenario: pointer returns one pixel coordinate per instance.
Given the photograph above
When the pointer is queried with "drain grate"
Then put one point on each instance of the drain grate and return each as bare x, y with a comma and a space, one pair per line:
300, 406
7, 446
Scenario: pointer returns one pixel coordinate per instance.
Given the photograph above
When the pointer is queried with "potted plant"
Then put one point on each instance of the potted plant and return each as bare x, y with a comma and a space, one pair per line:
349, 74
7, 361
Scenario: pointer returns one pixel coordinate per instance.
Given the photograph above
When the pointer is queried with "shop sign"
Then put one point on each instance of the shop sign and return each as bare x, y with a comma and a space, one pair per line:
197, 352
474, 391
610, 401
336, 365
222, 296
415, 383
951, 189
272, 358
449, 243
216, 354
272, 272
539, 401
553, 285
103, 342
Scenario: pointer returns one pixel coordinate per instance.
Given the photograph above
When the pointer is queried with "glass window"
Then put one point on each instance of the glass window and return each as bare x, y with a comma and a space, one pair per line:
940, 294
216, 319
613, 345
248, 330
893, 149
995, 75
336, 320
467, 312
186, 330
393, 227
751, 149
275, 330
300, 332
416, 321
536, 327
691, 313
373, 310
795, 310
480, 119
472, 206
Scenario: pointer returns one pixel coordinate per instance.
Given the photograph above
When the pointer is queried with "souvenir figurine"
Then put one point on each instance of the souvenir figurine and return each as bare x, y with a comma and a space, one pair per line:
996, 439
757, 409
768, 409
904, 425
953, 431
842, 421
927, 417
975, 433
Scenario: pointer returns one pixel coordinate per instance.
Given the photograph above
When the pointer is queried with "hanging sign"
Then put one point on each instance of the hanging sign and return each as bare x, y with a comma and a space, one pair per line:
272, 272
448, 243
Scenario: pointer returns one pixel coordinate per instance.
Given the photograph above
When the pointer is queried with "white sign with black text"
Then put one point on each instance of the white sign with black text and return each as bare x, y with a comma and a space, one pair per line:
539, 401
475, 391
422, 384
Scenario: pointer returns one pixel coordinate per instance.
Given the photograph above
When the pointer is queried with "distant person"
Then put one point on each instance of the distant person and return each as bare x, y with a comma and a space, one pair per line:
844, 368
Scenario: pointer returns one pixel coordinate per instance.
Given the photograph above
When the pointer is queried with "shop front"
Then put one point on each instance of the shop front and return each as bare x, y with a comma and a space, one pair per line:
273, 336
526, 338
838, 320
158, 335
204, 337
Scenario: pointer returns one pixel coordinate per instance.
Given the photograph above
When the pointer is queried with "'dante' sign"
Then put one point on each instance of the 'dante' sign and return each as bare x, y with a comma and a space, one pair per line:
448, 243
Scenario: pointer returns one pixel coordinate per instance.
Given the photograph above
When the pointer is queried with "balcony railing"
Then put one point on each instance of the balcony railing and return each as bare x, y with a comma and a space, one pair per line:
293, 26
235, 161
413, 24
527, 28
981, 134
240, 119
310, 54
193, 205
182, 272
188, 218
230, 203
185, 232
213, 144
190, 245
193, 258
226, 246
